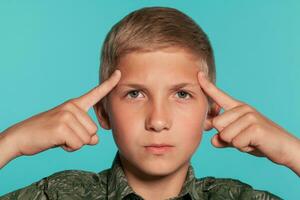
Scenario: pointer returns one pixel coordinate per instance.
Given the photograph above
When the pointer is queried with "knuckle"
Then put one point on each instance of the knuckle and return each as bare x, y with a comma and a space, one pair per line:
239, 104
247, 108
77, 145
86, 139
236, 142
91, 126
70, 149
217, 123
69, 104
65, 116
94, 128
66, 148
62, 128
94, 139
250, 116
245, 149
255, 128
225, 137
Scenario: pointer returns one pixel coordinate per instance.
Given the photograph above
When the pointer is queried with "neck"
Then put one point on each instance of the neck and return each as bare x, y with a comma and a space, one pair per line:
162, 187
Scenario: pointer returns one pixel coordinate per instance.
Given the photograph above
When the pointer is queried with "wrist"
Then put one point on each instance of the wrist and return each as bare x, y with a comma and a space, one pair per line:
294, 156
7, 148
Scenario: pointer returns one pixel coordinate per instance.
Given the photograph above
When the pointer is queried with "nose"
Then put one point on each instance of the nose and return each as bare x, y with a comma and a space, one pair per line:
158, 118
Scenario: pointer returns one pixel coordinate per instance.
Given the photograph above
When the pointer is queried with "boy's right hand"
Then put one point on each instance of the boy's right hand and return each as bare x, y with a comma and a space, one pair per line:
67, 125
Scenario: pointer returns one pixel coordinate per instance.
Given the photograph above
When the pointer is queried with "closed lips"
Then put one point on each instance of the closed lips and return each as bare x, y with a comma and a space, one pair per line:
159, 145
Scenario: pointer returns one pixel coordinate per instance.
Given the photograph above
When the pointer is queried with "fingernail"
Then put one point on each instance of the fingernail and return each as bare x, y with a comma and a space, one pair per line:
116, 72
202, 75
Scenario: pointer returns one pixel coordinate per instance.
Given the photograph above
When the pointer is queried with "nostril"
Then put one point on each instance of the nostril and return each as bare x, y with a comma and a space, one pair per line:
158, 126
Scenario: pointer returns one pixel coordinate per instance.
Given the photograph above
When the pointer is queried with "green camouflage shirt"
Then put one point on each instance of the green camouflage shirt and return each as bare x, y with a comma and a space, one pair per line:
111, 184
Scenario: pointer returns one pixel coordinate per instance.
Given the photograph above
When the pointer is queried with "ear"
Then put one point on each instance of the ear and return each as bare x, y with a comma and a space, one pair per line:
214, 111
102, 116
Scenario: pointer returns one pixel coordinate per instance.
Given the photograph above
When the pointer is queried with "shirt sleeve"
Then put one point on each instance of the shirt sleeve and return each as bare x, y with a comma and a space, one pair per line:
33, 191
258, 195
232, 189
69, 184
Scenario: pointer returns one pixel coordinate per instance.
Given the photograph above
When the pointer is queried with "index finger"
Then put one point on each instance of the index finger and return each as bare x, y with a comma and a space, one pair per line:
220, 97
89, 99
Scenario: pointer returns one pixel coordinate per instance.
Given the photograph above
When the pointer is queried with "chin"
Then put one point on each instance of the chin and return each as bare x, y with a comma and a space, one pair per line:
159, 168
155, 166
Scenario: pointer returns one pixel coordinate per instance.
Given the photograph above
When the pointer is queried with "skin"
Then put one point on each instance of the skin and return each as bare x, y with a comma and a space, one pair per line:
67, 126
244, 128
157, 115
154, 114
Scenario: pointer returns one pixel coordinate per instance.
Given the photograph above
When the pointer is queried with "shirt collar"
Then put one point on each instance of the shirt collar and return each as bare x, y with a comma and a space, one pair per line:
118, 186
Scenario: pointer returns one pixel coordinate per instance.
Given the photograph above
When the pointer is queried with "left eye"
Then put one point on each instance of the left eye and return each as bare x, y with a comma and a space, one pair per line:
133, 94
183, 94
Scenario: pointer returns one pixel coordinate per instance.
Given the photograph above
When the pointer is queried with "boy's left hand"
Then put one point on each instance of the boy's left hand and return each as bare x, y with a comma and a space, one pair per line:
244, 128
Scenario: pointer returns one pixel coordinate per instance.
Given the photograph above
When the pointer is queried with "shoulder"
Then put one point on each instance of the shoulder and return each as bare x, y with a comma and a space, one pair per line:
64, 184
72, 177
232, 189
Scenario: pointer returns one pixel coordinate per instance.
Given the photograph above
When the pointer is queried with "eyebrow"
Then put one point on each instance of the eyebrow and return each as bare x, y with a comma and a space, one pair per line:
172, 87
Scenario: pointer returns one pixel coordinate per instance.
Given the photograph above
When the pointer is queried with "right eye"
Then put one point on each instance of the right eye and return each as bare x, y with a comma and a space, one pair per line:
133, 94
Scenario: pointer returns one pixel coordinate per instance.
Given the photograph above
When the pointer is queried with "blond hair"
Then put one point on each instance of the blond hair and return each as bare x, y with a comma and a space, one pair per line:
150, 29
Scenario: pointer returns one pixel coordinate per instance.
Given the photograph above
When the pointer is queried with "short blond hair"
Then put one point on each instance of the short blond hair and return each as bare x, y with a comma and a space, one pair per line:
150, 29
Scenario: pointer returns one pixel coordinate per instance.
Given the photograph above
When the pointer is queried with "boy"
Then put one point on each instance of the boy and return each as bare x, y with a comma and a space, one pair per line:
157, 96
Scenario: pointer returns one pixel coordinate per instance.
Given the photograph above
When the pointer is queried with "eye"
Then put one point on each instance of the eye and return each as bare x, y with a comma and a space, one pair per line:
133, 94
182, 94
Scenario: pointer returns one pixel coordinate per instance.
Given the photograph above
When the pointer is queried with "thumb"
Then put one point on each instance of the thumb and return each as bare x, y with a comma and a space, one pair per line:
217, 142
208, 125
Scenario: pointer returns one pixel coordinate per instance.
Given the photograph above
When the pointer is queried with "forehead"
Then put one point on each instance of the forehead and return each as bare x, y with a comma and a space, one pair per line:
166, 65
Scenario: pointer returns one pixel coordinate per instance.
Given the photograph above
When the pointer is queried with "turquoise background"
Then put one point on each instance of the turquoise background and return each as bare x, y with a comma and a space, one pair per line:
49, 53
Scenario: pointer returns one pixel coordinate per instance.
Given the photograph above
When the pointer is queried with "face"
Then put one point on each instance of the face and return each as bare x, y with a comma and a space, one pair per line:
158, 100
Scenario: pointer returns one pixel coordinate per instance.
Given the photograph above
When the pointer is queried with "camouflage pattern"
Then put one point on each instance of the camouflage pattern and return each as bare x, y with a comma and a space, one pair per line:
111, 184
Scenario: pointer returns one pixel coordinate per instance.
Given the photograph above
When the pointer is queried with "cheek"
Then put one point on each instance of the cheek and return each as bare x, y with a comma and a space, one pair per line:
189, 122
191, 115
126, 123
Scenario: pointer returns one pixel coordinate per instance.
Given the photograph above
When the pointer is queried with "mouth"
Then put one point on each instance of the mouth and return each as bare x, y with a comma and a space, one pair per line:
158, 148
